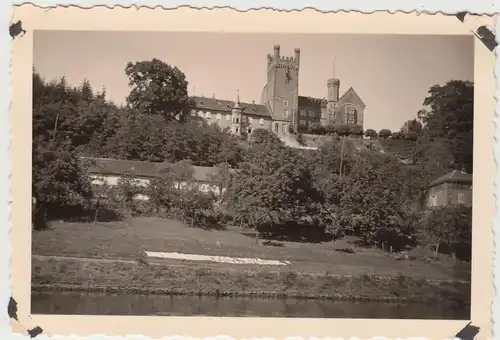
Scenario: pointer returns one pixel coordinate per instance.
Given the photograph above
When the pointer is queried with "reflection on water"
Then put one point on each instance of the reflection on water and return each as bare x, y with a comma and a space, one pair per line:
105, 304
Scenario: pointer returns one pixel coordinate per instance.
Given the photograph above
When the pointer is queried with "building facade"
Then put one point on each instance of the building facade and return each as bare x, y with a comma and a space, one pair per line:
281, 108
454, 188
107, 171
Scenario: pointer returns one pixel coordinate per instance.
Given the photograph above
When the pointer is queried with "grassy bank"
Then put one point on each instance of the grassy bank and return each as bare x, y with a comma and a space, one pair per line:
141, 278
130, 239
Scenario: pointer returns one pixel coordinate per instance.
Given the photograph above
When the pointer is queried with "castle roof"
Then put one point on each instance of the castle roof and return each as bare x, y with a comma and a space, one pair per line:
455, 176
109, 166
303, 100
221, 105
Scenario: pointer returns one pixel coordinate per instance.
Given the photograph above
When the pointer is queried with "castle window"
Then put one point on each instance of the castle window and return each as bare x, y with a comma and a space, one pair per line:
303, 122
250, 120
302, 113
218, 116
237, 120
285, 103
311, 114
237, 129
200, 113
208, 115
285, 113
249, 130
460, 198
193, 112
351, 115
228, 117
261, 121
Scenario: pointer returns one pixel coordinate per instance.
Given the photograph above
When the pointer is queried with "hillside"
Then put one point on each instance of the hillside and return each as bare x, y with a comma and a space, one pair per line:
402, 149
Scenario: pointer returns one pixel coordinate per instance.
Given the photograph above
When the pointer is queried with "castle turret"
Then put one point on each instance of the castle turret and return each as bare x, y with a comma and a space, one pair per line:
297, 56
333, 86
276, 52
236, 113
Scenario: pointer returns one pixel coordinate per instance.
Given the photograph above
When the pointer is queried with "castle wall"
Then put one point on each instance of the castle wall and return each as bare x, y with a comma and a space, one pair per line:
309, 114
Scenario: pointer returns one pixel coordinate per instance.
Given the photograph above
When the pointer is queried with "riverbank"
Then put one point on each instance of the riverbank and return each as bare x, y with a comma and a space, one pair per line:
52, 274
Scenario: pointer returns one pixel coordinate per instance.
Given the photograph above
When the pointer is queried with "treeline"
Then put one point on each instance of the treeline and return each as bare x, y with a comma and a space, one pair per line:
271, 188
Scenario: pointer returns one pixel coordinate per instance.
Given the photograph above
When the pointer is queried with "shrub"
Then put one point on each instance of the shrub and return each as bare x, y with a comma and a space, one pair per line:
384, 133
371, 133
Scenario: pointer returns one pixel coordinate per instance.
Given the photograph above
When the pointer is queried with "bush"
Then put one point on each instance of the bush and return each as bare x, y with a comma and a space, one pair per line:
384, 133
397, 136
356, 130
371, 133
316, 129
411, 136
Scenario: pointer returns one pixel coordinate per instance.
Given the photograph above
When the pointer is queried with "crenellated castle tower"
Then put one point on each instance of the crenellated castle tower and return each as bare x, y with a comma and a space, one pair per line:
282, 89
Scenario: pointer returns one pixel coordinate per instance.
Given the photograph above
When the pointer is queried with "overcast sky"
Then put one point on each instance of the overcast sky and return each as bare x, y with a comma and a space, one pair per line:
391, 73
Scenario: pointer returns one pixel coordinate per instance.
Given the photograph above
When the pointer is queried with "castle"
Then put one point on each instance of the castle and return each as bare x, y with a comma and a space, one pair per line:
281, 108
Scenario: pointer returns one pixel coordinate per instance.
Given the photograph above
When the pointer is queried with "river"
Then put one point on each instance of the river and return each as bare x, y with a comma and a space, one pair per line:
106, 304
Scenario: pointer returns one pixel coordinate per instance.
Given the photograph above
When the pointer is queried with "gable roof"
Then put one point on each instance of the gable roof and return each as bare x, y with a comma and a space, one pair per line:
109, 166
454, 176
352, 95
215, 104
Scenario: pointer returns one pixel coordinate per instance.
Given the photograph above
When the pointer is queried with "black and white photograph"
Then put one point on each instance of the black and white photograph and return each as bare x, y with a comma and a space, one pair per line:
252, 174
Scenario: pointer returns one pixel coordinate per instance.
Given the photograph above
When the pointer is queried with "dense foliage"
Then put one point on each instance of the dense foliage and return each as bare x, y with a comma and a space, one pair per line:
260, 183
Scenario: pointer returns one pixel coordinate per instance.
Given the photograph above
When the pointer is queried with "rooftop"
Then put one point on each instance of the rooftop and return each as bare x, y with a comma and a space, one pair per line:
215, 104
455, 176
109, 166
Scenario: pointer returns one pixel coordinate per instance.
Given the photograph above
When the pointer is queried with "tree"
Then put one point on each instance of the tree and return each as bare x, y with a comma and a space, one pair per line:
263, 136
162, 192
411, 126
372, 204
193, 203
451, 225
158, 89
139, 137
274, 186
371, 133
222, 177
127, 188
384, 133
181, 173
58, 181
449, 113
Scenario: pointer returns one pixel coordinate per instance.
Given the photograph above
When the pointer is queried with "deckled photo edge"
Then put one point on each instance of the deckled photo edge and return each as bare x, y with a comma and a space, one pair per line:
119, 19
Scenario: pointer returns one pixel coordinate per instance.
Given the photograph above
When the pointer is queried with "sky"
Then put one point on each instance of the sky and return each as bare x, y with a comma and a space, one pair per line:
391, 73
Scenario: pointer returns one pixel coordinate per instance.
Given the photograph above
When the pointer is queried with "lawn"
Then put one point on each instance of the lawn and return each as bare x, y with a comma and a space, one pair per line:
130, 238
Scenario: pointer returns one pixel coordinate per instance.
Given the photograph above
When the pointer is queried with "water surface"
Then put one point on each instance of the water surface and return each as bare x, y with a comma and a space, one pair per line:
106, 304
